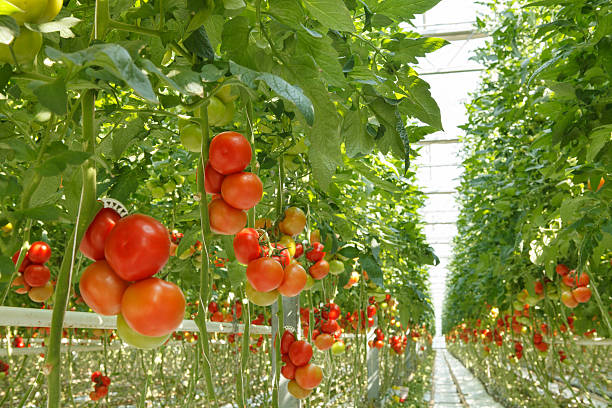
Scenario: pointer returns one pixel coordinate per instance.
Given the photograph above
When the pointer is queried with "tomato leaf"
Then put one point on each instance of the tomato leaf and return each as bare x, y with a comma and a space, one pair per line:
45, 213
123, 137
52, 95
331, 13
373, 269
236, 274
400, 10
63, 26
189, 239
199, 44
9, 29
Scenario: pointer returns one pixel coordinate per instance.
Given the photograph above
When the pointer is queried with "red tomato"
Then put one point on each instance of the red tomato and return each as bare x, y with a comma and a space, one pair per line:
371, 310
153, 307
281, 254
237, 309
39, 252
212, 180
36, 275
102, 289
568, 300
225, 219
319, 270
294, 280
324, 341
288, 371
316, 253
229, 152
138, 247
242, 190
24, 264
264, 274
309, 376
246, 246
94, 240
330, 326
299, 250
287, 340
562, 269
300, 353
216, 317
582, 294
297, 391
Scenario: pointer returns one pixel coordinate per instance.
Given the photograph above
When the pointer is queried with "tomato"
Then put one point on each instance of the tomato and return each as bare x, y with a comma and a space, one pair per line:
299, 250
300, 353
319, 270
287, 340
562, 269
212, 180
338, 348
24, 264
39, 252
242, 190
330, 326
42, 293
237, 309
288, 243
539, 288
153, 307
294, 221
309, 282
94, 240
263, 223
102, 289
225, 219
246, 246
216, 317
315, 236
229, 152
309, 376
280, 254
213, 307
316, 253
36, 275
20, 284
219, 113
191, 137
297, 391
324, 341
137, 248
260, 298
36, 11
294, 280
543, 347
582, 294
371, 310
26, 46
264, 274
336, 267
133, 338
288, 371
568, 299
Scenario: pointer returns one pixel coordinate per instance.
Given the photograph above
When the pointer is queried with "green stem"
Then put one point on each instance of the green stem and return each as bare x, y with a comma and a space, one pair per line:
86, 210
117, 25
205, 267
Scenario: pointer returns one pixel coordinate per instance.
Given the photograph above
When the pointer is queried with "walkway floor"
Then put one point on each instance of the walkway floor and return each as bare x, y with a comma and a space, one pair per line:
449, 391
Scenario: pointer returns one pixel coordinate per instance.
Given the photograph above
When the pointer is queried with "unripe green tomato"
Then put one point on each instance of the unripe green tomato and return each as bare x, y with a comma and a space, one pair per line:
260, 298
227, 94
216, 111
183, 122
133, 338
309, 282
191, 137
36, 11
228, 115
338, 348
170, 186
25, 47
158, 192
336, 267
384, 305
179, 179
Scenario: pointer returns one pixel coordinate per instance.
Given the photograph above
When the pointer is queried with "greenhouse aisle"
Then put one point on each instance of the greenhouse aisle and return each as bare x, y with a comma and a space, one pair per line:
448, 394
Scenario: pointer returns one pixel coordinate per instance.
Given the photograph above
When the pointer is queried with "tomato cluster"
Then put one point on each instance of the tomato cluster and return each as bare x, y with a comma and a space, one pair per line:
34, 276
234, 190
326, 330
398, 343
303, 376
101, 383
127, 253
574, 289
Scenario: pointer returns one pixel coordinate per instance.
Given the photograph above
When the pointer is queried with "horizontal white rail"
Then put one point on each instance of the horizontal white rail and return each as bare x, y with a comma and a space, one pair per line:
27, 317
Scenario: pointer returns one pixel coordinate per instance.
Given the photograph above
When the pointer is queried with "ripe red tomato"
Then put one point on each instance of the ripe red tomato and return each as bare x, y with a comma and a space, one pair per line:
324, 341
264, 274
330, 326
281, 254
153, 307
568, 300
212, 180
582, 294
225, 219
102, 289
319, 270
309, 376
300, 353
246, 246
229, 152
316, 253
288, 371
299, 250
294, 280
24, 264
242, 190
297, 391
94, 240
294, 221
36, 275
287, 340
39, 252
137, 248
562, 269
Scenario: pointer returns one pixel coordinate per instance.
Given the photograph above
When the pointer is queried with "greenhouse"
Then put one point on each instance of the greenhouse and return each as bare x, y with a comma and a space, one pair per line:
306, 203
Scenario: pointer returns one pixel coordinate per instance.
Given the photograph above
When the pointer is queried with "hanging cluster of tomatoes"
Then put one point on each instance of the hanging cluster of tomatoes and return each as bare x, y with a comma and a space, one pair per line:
574, 288
101, 383
127, 252
234, 190
304, 376
34, 276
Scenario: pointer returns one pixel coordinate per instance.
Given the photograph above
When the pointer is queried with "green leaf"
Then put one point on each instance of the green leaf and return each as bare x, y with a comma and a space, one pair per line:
288, 12
47, 191
185, 82
407, 50
63, 26
52, 95
57, 163
331, 13
356, 139
599, 138
9, 29
113, 58
236, 274
123, 137
280, 86
373, 269
386, 115
189, 239
401, 10
235, 39
199, 44
45, 213
419, 103
350, 252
